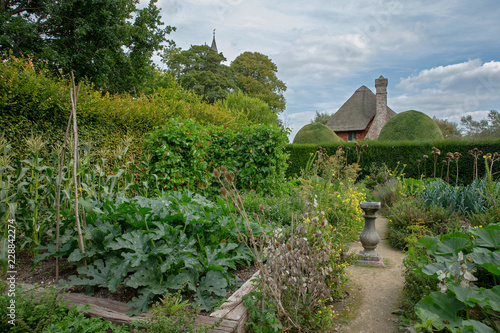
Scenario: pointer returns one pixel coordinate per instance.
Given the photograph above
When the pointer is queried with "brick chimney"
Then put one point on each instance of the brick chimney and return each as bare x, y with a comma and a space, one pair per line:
381, 114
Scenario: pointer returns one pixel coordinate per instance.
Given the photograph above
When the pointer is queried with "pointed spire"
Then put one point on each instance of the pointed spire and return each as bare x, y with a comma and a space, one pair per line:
214, 45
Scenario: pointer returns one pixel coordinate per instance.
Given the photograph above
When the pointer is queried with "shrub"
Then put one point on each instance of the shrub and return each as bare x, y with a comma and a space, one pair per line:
184, 153
411, 219
316, 133
410, 125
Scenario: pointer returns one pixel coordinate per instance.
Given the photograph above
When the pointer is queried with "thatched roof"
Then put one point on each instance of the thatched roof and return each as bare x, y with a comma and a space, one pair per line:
357, 112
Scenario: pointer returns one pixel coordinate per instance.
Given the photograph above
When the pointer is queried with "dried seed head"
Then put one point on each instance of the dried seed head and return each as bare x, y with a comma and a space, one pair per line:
216, 173
288, 246
223, 191
261, 207
229, 177
277, 244
240, 202
255, 216
223, 169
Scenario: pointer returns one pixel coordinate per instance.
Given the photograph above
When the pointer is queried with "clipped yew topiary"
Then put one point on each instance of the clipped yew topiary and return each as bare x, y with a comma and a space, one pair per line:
316, 133
410, 126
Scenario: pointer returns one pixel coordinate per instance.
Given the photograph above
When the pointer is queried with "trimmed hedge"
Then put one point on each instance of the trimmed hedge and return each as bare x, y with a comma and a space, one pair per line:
410, 125
406, 153
316, 133
33, 101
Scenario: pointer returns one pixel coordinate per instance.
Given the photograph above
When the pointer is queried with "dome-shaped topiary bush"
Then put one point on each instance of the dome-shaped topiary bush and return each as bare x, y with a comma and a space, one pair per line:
410, 126
316, 133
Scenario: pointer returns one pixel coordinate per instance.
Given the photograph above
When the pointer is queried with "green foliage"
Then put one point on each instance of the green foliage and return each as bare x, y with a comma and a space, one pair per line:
316, 133
410, 153
411, 219
278, 208
32, 101
466, 271
184, 154
262, 319
463, 199
252, 110
200, 69
321, 118
448, 129
255, 75
171, 314
110, 43
46, 311
410, 125
155, 245
486, 128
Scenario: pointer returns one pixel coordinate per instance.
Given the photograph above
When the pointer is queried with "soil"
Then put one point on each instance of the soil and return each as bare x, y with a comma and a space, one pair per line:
375, 292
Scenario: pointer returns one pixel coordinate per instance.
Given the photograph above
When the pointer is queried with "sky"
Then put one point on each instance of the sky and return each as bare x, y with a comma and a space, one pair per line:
440, 57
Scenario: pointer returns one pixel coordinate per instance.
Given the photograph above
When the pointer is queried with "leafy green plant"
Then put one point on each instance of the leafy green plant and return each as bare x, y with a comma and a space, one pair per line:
172, 314
463, 199
155, 245
412, 218
46, 311
466, 269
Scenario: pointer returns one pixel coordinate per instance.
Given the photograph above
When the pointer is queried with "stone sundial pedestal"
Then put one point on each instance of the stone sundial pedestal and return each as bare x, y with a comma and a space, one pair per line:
369, 237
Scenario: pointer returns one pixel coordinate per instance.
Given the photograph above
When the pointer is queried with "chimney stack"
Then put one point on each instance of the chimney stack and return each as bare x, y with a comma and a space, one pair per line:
381, 114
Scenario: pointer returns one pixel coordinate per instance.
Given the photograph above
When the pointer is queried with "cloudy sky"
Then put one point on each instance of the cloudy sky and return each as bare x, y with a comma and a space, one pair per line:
440, 57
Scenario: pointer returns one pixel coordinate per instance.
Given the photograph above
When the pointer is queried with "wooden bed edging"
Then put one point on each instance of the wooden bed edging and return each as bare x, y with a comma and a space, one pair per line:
233, 311
116, 312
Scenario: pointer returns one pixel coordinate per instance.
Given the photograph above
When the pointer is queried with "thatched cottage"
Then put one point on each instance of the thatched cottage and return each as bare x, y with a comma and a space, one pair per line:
364, 114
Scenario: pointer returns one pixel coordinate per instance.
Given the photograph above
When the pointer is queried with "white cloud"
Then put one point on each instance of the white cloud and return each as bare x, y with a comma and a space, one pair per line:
452, 91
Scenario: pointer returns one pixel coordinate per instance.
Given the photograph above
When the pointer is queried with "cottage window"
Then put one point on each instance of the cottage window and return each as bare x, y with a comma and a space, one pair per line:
351, 136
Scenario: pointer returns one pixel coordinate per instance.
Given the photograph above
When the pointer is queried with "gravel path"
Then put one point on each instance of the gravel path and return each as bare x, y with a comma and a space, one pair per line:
376, 291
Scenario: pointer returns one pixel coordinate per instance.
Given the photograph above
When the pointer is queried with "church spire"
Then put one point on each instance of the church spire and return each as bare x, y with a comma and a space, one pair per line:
214, 45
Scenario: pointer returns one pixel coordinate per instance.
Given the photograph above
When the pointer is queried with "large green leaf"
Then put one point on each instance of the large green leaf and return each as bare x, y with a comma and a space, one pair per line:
97, 275
138, 244
214, 282
492, 298
452, 245
428, 242
475, 327
489, 261
176, 281
467, 295
487, 238
148, 276
445, 306
140, 303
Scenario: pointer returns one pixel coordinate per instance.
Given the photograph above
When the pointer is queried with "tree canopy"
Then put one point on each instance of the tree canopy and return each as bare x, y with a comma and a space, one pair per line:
482, 129
200, 69
108, 42
449, 129
255, 75
321, 117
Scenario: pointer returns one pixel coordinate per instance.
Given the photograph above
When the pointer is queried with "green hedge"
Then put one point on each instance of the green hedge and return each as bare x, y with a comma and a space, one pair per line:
183, 154
33, 101
405, 153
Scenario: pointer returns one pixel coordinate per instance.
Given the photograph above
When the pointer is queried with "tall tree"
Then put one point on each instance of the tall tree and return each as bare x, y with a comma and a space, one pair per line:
200, 69
473, 128
321, 118
109, 42
255, 75
449, 129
